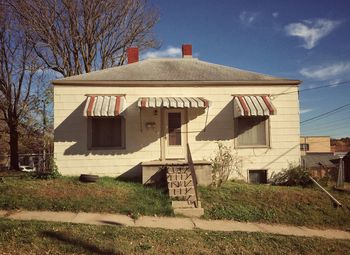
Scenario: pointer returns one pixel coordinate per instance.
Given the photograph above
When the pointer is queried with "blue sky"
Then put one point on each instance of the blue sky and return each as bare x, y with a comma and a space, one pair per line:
306, 40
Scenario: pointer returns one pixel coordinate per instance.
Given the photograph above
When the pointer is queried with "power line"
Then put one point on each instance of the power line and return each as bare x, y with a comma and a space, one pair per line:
331, 117
338, 126
329, 125
326, 116
327, 86
326, 113
319, 87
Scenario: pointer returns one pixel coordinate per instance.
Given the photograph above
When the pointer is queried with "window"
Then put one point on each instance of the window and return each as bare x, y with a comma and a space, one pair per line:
107, 132
252, 131
304, 147
258, 176
174, 126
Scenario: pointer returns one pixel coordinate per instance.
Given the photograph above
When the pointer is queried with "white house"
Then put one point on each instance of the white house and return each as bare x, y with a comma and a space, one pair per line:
115, 121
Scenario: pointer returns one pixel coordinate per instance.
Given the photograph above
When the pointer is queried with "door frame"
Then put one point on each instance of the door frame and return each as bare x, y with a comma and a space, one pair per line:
163, 133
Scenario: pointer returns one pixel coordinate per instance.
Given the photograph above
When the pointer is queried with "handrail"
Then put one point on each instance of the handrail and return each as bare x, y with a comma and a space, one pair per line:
193, 173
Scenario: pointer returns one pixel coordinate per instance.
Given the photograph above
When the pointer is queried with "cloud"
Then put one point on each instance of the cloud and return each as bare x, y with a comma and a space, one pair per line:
275, 14
326, 72
169, 52
311, 31
248, 18
336, 82
306, 110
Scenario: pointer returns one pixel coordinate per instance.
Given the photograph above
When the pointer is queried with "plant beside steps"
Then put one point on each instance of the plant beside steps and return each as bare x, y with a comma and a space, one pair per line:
182, 191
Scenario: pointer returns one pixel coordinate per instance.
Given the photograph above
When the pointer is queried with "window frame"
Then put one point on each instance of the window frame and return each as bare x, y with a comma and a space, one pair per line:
267, 134
264, 171
89, 134
306, 145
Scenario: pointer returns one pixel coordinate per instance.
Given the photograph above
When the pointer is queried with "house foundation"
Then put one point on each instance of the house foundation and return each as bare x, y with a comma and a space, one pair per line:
154, 171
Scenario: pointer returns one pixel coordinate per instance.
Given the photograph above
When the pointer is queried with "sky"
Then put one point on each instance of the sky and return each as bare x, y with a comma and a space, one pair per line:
306, 40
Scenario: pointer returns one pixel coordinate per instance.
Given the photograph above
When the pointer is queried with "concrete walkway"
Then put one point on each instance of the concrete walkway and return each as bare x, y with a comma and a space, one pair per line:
172, 223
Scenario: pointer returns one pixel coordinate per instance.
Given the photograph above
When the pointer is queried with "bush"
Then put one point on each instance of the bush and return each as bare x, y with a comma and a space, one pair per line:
292, 176
224, 164
51, 173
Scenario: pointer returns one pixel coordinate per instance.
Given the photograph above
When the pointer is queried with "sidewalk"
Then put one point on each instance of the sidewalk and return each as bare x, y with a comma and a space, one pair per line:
172, 223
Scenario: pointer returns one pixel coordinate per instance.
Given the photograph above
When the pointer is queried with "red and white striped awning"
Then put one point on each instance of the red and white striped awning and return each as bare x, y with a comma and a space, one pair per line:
104, 105
253, 106
173, 102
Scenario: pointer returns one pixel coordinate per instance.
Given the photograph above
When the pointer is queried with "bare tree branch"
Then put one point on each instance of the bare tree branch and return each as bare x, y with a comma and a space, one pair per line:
18, 66
77, 36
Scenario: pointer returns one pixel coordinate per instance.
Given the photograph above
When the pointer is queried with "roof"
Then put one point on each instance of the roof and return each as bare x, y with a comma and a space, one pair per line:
318, 159
177, 70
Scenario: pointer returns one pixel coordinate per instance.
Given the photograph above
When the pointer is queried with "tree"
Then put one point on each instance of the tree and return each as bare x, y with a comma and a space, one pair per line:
18, 66
69, 37
77, 36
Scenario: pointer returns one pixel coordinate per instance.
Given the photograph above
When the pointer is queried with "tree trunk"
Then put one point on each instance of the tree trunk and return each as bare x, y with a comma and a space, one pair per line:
14, 147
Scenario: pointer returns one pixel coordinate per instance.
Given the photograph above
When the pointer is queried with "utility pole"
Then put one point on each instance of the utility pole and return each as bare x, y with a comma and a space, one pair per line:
44, 134
340, 180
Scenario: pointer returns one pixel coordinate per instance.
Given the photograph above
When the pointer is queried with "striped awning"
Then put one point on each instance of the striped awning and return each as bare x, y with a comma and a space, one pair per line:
173, 102
104, 105
253, 106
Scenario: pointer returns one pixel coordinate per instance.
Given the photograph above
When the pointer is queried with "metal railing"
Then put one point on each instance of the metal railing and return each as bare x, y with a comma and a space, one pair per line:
193, 173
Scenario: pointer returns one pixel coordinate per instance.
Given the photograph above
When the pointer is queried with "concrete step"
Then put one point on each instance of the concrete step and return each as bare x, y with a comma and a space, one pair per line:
178, 177
189, 212
184, 204
182, 191
178, 184
178, 170
190, 198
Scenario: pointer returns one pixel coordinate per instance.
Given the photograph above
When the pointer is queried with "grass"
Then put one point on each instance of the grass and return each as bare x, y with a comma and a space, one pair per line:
68, 194
275, 204
233, 201
33, 237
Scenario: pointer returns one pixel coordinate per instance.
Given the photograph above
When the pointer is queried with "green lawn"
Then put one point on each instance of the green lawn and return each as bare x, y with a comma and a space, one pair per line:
272, 204
235, 200
68, 194
32, 237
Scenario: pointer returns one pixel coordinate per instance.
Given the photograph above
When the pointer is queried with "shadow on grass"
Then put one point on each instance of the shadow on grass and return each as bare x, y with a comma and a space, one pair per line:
78, 243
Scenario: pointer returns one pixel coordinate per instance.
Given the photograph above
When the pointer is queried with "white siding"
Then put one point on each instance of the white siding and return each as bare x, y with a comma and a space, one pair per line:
73, 157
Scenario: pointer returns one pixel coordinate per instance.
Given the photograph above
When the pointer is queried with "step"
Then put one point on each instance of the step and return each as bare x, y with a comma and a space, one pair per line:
189, 197
184, 204
183, 191
178, 184
178, 177
189, 212
178, 170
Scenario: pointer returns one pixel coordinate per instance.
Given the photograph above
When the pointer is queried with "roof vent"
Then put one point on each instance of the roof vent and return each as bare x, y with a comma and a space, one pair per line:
187, 50
133, 55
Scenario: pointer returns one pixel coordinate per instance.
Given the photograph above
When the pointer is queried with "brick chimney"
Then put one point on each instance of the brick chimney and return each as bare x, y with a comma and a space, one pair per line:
133, 55
187, 50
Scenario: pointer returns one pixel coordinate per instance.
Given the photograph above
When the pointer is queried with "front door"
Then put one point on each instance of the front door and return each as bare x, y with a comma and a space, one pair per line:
174, 127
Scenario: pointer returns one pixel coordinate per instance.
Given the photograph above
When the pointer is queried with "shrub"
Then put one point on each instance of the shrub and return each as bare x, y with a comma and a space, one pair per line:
224, 164
291, 176
51, 172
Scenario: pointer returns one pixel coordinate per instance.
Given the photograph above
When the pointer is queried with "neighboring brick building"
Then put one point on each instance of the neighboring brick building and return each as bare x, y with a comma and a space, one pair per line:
316, 155
315, 144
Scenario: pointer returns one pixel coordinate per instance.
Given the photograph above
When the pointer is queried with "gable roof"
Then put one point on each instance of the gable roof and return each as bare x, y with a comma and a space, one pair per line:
188, 70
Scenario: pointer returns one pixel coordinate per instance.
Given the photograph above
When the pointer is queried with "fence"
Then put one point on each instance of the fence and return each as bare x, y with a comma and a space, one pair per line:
35, 162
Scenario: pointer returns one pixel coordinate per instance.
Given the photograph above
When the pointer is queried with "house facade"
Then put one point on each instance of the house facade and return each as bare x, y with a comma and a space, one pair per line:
114, 121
